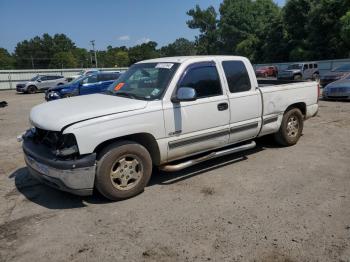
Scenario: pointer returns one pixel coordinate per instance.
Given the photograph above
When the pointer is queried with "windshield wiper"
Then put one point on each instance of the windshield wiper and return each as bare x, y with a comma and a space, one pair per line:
125, 94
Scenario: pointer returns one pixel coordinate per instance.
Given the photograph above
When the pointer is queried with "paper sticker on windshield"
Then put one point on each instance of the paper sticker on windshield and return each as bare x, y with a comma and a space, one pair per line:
155, 92
119, 86
164, 65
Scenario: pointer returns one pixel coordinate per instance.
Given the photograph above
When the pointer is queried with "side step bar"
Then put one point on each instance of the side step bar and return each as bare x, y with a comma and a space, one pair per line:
183, 165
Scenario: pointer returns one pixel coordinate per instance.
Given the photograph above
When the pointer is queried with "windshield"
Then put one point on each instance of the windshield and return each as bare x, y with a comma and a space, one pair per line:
295, 66
35, 78
79, 79
146, 81
343, 68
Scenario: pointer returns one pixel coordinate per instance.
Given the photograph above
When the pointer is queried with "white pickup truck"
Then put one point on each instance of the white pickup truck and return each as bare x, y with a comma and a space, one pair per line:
169, 113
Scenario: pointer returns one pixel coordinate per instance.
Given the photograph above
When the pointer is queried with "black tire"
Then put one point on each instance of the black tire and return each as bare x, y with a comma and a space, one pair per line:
285, 135
316, 77
67, 95
60, 84
31, 89
297, 77
109, 162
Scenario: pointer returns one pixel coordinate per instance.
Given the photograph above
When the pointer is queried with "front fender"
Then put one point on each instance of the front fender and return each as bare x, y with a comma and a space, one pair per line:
91, 133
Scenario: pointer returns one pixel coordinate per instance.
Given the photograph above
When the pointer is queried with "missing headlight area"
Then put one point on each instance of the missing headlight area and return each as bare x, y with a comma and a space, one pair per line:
62, 145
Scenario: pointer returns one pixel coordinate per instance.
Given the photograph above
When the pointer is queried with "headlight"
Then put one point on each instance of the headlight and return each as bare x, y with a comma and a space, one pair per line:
53, 94
67, 145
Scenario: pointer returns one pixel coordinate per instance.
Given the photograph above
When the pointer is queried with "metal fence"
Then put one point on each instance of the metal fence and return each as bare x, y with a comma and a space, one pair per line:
324, 66
9, 78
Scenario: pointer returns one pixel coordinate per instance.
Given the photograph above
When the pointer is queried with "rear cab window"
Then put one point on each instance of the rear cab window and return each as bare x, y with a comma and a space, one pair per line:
237, 76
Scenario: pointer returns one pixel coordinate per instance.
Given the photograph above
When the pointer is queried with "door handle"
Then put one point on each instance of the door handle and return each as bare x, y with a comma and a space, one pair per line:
222, 106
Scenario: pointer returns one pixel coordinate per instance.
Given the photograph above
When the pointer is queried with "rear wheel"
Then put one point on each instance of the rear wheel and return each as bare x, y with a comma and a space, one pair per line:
297, 77
291, 128
31, 89
123, 170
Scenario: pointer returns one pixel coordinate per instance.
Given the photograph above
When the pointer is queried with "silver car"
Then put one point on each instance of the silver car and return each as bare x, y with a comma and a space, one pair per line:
338, 90
40, 83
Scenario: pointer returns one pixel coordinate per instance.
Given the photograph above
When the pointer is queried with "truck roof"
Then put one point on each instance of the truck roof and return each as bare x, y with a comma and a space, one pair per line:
182, 59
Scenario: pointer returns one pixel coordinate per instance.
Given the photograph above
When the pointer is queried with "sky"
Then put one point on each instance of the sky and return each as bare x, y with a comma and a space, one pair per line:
108, 22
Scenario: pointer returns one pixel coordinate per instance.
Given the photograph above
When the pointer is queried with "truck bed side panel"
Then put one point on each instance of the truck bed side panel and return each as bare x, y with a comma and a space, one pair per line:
278, 98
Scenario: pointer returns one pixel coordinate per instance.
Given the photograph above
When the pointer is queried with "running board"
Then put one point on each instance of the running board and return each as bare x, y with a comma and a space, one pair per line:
183, 165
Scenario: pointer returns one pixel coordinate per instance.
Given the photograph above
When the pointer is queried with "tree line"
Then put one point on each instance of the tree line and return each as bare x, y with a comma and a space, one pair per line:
257, 29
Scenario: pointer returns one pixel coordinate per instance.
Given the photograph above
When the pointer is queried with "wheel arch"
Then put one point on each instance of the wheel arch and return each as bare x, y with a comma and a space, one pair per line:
145, 139
300, 105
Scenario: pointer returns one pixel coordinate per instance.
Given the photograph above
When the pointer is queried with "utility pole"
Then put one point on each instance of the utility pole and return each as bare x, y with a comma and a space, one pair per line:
93, 48
32, 61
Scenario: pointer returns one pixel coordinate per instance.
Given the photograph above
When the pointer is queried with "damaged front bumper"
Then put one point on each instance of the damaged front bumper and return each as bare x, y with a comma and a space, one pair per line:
75, 176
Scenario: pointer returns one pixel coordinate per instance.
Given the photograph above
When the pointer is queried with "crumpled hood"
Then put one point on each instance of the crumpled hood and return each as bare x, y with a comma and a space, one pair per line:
57, 114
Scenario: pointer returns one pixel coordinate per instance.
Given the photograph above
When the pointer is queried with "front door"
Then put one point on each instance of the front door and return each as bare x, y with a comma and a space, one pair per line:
89, 85
198, 125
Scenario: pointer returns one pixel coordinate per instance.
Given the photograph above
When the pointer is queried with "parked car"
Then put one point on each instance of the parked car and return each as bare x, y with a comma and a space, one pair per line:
40, 83
303, 71
266, 71
336, 74
85, 85
155, 116
83, 73
338, 90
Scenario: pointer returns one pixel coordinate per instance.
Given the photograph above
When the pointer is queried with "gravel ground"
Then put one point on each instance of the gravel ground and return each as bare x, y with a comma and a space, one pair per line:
268, 204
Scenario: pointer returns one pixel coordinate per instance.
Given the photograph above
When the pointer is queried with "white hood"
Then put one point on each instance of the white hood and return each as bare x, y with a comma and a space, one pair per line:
57, 114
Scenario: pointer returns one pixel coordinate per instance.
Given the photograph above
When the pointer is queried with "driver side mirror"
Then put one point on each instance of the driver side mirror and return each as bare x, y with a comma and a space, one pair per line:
38, 80
185, 94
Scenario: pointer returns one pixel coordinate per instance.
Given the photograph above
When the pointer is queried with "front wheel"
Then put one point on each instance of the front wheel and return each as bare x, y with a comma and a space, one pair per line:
123, 170
291, 128
31, 90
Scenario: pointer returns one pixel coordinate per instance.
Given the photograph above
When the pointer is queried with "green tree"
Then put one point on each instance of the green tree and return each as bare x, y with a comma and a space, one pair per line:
236, 23
180, 47
6, 60
63, 60
205, 20
142, 52
324, 29
82, 57
38, 51
345, 29
122, 59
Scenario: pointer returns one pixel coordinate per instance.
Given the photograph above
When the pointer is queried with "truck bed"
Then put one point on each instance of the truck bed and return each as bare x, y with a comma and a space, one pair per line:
272, 82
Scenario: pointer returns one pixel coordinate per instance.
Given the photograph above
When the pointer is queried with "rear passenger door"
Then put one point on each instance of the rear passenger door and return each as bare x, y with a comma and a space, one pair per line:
245, 101
202, 124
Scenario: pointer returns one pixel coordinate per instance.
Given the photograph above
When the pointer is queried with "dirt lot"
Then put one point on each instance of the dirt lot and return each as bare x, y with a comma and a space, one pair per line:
268, 204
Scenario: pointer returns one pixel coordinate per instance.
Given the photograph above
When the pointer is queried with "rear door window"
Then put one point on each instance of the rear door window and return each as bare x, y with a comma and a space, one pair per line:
237, 76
